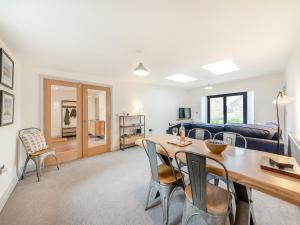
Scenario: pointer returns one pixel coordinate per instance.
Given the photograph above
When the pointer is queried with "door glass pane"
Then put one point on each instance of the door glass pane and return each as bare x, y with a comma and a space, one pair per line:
216, 111
63, 118
235, 109
96, 118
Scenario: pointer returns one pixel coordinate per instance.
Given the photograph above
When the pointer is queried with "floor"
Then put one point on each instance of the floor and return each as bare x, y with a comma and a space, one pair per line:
109, 189
70, 143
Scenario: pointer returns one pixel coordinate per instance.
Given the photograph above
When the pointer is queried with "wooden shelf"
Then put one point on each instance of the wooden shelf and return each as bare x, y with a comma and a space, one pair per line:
131, 139
131, 115
137, 131
132, 125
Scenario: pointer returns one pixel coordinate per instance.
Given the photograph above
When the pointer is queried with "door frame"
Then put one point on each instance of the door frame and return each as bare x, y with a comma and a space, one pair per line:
68, 155
98, 149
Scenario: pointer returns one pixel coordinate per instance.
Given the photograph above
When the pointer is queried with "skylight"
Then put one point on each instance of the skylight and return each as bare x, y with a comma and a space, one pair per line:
181, 78
221, 67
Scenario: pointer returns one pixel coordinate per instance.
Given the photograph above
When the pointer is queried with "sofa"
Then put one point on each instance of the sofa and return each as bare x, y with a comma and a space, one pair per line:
259, 137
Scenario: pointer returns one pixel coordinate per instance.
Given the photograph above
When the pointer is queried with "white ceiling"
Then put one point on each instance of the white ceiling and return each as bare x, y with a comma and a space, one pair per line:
101, 37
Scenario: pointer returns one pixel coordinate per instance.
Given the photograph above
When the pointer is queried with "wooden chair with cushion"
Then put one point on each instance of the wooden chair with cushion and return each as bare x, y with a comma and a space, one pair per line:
164, 177
36, 149
211, 203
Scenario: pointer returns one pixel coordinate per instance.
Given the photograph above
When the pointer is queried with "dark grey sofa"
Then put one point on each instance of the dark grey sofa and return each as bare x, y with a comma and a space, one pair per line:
259, 137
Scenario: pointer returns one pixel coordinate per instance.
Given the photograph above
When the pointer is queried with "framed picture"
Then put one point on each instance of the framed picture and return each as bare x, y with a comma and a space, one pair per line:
6, 108
6, 70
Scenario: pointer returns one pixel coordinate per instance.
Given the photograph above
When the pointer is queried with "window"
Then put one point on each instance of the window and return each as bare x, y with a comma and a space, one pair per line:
227, 108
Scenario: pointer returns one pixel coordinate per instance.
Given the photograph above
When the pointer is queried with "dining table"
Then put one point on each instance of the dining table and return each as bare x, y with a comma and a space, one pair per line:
244, 171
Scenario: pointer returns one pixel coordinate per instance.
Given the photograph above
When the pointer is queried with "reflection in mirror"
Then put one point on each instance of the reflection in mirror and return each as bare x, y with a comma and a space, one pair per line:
63, 118
96, 118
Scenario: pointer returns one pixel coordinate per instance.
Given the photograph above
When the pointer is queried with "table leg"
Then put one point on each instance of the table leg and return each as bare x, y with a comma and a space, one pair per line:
244, 205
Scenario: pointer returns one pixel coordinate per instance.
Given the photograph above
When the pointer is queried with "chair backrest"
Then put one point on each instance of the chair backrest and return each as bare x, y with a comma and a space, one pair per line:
231, 138
199, 133
151, 149
32, 139
197, 171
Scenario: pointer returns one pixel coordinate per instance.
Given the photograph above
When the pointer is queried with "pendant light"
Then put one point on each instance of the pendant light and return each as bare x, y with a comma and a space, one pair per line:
208, 86
140, 70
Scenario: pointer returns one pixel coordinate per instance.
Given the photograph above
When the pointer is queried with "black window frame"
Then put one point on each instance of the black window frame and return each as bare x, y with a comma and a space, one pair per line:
244, 94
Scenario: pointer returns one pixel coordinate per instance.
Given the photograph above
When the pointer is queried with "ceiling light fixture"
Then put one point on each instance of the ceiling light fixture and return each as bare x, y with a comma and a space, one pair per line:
221, 67
140, 70
208, 87
181, 78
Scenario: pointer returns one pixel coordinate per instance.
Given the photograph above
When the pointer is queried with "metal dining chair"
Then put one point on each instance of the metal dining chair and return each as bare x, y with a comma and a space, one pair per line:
36, 148
231, 138
164, 177
199, 133
211, 203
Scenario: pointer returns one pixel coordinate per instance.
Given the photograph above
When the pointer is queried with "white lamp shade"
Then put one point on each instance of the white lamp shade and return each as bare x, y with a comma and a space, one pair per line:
208, 87
283, 99
140, 70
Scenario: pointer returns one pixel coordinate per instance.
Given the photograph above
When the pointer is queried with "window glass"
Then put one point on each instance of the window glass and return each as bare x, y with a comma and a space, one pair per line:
216, 110
235, 113
227, 108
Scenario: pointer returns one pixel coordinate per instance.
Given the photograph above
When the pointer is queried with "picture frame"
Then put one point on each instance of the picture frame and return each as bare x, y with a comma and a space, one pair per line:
7, 102
6, 70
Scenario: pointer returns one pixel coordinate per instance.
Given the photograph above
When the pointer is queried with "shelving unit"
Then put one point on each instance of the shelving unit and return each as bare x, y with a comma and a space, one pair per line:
132, 127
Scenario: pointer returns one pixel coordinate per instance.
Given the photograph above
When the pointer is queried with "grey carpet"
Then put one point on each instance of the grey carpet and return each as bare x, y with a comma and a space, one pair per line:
109, 189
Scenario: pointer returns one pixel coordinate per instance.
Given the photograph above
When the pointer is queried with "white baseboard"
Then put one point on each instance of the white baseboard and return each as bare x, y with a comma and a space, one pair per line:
116, 148
8, 191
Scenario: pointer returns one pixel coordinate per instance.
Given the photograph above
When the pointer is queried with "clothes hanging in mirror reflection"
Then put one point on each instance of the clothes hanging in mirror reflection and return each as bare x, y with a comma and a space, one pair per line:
67, 117
73, 113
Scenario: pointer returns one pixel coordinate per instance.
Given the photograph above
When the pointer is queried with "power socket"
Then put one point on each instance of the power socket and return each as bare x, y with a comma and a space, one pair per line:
3, 169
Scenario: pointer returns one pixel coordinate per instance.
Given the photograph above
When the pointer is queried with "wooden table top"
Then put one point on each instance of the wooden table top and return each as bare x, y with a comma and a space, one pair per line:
243, 167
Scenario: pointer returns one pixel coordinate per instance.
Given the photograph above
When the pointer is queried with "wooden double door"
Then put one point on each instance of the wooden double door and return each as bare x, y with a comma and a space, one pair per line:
77, 119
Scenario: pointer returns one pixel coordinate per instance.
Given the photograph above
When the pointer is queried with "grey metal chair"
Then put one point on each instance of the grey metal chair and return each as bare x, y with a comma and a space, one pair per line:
164, 178
231, 138
36, 149
199, 133
204, 199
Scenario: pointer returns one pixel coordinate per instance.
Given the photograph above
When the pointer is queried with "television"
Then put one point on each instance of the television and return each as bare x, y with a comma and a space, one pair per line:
184, 113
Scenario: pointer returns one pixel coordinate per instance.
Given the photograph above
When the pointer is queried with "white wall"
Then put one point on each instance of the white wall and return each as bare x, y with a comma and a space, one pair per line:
293, 90
265, 89
9, 153
160, 103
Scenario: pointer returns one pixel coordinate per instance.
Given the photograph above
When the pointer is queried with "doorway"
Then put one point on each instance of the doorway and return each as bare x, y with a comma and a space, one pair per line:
76, 119
96, 120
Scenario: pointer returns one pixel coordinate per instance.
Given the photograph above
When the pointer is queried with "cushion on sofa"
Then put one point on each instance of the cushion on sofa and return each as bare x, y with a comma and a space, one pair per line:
212, 128
275, 128
251, 130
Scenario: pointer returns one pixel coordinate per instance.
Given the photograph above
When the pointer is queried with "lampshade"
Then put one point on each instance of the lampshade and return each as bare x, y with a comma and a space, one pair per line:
282, 99
208, 87
140, 70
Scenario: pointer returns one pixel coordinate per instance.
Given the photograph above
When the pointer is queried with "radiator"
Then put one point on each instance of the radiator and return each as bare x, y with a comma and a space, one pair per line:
294, 148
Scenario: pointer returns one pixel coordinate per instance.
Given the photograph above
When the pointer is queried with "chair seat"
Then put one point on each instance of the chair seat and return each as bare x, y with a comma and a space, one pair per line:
217, 201
166, 176
43, 151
